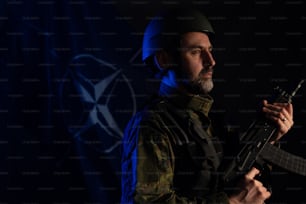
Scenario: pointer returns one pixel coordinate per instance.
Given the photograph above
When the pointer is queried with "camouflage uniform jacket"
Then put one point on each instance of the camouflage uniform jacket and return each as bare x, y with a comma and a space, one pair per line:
170, 154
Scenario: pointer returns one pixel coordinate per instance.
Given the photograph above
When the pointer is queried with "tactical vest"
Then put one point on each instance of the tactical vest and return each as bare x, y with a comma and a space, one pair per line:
197, 152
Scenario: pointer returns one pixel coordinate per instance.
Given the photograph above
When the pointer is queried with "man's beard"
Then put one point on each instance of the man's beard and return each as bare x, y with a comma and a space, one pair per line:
197, 85
201, 86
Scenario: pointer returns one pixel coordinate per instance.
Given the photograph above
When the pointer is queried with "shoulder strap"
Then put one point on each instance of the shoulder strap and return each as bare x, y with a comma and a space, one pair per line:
206, 143
182, 137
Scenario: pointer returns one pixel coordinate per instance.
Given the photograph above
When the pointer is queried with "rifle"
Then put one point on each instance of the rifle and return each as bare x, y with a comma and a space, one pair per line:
255, 141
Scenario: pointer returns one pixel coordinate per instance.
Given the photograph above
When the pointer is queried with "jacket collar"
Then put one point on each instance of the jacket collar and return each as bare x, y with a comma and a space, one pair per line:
184, 100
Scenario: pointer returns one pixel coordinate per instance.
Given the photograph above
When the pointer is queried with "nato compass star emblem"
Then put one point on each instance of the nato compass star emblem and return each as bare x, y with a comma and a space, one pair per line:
97, 100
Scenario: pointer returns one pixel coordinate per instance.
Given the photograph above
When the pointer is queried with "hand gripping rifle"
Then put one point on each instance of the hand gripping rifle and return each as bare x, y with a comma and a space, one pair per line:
256, 146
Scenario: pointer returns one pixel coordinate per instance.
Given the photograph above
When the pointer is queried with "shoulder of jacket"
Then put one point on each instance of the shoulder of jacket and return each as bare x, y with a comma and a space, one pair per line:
150, 112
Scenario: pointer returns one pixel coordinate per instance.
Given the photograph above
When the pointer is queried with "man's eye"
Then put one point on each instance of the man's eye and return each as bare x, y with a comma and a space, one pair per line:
196, 51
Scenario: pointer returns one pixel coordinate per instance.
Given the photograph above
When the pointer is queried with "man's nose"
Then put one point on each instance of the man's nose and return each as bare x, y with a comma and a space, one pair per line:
208, 61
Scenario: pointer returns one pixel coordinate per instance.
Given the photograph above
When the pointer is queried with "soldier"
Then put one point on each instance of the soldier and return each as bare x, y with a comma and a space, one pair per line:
171, 149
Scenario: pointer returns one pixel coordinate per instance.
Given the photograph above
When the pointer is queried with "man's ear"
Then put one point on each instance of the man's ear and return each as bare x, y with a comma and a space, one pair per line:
163, 59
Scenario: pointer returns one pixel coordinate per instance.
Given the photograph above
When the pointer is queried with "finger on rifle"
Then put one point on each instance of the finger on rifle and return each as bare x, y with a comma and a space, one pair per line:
288, 107
252, 173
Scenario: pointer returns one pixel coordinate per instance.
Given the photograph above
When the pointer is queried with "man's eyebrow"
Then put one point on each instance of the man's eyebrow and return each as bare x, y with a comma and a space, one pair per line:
199, 46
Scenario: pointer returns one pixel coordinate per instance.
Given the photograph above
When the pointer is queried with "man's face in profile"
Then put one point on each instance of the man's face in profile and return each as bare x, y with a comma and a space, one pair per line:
196, 61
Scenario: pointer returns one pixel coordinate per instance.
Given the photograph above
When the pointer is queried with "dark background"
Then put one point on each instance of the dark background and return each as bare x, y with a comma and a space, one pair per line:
71, 76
